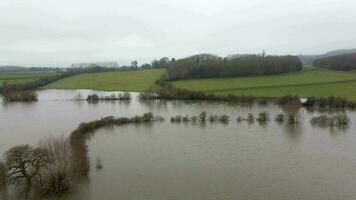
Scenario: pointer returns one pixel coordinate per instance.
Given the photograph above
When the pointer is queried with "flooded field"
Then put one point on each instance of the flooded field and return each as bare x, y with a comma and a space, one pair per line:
164, 160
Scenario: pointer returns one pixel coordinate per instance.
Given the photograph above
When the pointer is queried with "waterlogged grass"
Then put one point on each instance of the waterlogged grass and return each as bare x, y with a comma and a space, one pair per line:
135, 81
23, 77
309, 82
346, 90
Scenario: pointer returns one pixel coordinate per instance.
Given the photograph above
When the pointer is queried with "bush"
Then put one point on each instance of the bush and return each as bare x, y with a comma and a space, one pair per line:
213, 118
224, 118
202, 117
263, 117
279, 118
93, 97
177, 118
17, 96
337, 120
294, 118
250, 118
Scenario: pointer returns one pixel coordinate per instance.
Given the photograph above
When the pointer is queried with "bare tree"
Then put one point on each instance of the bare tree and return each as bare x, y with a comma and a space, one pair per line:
56, 177
24, 162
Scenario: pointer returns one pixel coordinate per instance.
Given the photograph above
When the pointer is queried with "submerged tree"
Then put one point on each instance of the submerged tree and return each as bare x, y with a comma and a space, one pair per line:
2, 175
56, 177
24, 163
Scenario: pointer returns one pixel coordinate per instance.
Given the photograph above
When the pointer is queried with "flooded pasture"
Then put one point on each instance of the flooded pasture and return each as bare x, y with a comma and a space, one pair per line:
164, 160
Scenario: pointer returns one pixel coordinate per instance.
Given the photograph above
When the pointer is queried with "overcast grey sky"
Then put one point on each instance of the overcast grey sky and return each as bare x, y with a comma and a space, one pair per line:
50, 32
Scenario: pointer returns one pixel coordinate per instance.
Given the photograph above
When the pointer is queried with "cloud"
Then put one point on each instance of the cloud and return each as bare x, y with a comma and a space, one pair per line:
37, 32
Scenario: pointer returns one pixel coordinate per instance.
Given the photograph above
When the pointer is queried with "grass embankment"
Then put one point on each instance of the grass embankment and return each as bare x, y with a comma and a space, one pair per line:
135, 81
23, 77
309, 82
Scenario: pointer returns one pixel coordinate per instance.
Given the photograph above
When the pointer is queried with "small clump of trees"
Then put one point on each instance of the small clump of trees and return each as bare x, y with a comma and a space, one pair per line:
263, 117
279, 118
208, 66
339, 120
294, 118
12, 94
121, 96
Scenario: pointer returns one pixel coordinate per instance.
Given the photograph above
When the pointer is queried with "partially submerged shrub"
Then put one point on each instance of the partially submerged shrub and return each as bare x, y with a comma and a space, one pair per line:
194, 119
250, 118
213, 118
124, 96
112, 97
293, 118
279, 118
202, 117
240, 119
177, 118
17, 96
342, 119
337, 120
186, 118
263, 117
224, 118
147, 96
93, 97
57, 176
99, 164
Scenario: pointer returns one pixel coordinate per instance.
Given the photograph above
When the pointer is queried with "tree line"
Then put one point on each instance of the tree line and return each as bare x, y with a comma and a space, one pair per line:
209, 66
342, 62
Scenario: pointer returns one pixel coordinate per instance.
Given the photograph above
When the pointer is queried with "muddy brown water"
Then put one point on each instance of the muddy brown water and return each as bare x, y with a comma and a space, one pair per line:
167, 160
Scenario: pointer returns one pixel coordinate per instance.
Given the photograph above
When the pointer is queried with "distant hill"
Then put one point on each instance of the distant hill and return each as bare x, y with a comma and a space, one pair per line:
12, 68
309, 59
345, 61
337, 53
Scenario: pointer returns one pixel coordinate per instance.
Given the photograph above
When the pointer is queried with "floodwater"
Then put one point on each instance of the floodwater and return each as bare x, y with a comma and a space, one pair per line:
187, 161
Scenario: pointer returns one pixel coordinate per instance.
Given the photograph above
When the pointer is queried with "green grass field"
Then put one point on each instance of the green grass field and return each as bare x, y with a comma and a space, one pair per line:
136, 81
309, 82
23, 77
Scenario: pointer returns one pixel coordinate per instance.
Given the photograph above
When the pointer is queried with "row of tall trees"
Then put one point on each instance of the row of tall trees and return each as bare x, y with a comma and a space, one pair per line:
341, 62
207, 66
164, 62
